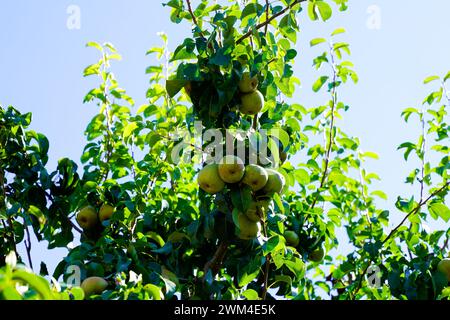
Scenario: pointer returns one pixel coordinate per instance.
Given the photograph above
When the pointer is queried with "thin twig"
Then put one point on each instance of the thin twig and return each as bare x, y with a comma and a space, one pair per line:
268, 257
391, 234
28, 247
415, 210
330, 141
268, 21
216, 262
255, 122
194, 19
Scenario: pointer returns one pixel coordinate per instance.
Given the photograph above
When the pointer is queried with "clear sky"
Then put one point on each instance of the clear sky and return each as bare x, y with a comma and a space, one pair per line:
395, 45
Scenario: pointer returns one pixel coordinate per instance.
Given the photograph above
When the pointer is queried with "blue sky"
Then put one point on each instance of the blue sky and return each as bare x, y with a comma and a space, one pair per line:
41, 64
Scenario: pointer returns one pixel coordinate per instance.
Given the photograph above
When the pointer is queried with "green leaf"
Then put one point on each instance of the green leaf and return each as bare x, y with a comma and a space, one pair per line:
319, 83
250, 271
39, 284
251, 295
447, 76
154, 291
302, 176
440, 210
430, 79
312, 11
325, 10
78, 293
95, 45
274, 244
338, 31
316, 41
174, 86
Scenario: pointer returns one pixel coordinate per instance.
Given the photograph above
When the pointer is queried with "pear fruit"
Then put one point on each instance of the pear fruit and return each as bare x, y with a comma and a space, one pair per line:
87, 218
106, 212
209, 179
251, 103
292, 238
247, 84
256, 209
255, 177
231, 169
247, 229
444, 267
317, 255
275, 182
94, 286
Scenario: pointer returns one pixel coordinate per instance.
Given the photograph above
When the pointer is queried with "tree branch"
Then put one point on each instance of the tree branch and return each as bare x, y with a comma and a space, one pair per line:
194, 19
216, 262
391, 234
268, 257
266, 27
28, 247
330, 135
415, 210
268, 21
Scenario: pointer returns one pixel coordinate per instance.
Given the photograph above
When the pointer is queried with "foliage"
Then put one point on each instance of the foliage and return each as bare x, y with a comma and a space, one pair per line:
167, 239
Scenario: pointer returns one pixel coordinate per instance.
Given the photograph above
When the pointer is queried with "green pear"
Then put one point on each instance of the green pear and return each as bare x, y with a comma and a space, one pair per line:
209, 179
247, 84
444, 267
106, 212
247, 229
251, 103
94, 286
255, 177
292, 238
256, 209
317, 255
231, 169
87, 218
275, 182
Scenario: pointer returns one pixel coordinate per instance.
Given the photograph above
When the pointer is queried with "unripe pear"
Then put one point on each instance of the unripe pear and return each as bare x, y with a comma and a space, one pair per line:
106, 212
247, 84
317, 255
292, 238
231, 169
209, 179
251, 103
255, 177
247, 229
257, 210
94, 286
87, 218
275, 182
444, 267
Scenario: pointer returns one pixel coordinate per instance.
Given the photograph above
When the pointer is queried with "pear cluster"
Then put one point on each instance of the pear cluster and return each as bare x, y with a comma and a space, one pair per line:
88, 218
263, 182
252, 101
